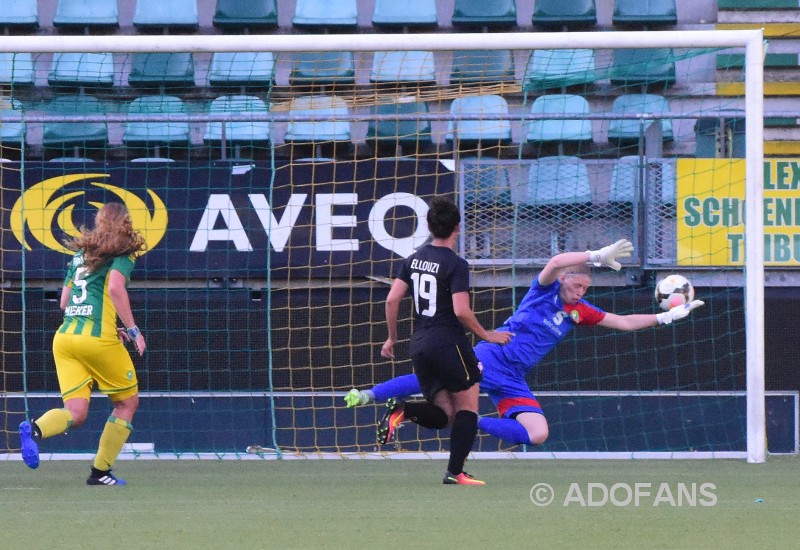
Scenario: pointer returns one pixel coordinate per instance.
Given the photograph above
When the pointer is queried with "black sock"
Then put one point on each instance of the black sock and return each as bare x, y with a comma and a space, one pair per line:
35, 431
97, 474
462, 437
425, 414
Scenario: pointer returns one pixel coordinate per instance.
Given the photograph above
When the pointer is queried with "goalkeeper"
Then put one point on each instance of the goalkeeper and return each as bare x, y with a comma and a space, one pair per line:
553, 305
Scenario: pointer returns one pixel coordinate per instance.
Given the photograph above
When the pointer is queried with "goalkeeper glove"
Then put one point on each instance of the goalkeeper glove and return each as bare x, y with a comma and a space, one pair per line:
354, 398
678, 312
608, 255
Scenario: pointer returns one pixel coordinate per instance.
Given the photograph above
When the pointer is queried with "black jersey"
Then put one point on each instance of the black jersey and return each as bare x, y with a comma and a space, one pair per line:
434, 274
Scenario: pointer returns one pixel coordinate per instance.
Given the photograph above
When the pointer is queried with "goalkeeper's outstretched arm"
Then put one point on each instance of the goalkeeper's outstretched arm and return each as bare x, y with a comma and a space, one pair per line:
607, 256
638, 320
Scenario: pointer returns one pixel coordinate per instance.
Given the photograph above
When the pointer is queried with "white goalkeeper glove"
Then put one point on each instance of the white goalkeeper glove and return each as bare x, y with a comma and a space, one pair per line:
608, 255
678, 312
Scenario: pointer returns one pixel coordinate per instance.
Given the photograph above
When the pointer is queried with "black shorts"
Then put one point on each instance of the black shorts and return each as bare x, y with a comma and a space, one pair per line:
451, 367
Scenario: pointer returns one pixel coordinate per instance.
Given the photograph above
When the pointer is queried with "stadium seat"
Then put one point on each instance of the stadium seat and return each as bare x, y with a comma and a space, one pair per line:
158, 14
91, 70
242, 69
479, 13
321, 68
486, 185
643, 66
489, 66
628, 171
340, 14
322, 130
75, 134
239, 15
644, 12
86, 14
485, 130
403, 66
488, 210
630, 129
579, 130
238, 133
558, 69
162, 69
411, 133
21, 15
16, 69
156, 133
411, 13
561, 13
11, 133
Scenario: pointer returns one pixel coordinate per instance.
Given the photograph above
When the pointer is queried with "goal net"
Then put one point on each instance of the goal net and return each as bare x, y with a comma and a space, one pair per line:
280, 180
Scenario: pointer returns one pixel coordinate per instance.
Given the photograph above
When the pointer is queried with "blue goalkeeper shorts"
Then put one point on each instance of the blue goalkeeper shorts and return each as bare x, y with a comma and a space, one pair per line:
508, 390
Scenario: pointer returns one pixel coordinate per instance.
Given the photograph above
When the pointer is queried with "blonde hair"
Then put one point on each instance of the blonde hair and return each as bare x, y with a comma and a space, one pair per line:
113, 235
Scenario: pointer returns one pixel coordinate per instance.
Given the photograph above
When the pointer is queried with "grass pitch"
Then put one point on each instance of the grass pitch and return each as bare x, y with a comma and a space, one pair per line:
399, 504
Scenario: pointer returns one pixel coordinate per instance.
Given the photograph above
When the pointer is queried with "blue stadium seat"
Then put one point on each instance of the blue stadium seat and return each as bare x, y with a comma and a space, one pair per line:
487, 66
404, 132
156, 133
86, 14
579, 130
321, 68
75, 134
479, 13
559, 68
644, 12
91, 70
238, 133
486, 185
242, 69
239, 15
336, 129
484, 130
628, 130
11, 133
341, 14
16, 69
22, 15
162, 69
628, 171
637, 66
403, 66
561, 13
411, 13
158, 14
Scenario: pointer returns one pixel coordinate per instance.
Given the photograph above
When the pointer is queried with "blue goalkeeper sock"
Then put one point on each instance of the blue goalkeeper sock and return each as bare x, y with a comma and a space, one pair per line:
400, 386
505, 428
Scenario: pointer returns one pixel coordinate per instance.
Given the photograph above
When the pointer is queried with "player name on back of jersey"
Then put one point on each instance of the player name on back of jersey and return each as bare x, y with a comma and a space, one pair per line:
421, 265
79, 311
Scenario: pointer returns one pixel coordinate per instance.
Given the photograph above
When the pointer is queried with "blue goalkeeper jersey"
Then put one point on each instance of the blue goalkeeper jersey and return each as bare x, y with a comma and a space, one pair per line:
539, 323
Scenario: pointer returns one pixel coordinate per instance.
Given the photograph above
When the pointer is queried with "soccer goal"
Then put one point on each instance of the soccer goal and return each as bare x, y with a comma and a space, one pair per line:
279, 180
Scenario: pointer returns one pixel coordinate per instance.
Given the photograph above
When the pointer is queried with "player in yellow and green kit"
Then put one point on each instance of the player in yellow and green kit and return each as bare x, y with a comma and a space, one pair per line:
88, 347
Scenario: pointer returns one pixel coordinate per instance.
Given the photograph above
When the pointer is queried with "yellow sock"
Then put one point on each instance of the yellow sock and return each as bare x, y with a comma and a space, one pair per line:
114, 436
54, 422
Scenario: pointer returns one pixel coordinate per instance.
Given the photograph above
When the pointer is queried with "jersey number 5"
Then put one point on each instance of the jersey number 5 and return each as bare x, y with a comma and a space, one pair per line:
80, 282
425, 288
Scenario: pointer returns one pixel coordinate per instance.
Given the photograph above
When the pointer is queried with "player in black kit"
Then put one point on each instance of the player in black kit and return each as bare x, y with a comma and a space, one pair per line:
441, 353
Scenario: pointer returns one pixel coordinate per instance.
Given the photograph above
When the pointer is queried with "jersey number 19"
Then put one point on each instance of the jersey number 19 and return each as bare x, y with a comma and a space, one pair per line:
425, 288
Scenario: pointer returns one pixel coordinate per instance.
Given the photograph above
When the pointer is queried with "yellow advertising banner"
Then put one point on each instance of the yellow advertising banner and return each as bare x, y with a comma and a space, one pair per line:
711, 212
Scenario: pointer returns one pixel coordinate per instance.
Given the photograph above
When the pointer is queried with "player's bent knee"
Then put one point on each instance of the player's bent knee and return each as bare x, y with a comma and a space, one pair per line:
538, 437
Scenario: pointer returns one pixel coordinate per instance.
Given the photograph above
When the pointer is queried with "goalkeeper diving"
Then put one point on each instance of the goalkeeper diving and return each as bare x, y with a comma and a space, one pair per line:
553, 305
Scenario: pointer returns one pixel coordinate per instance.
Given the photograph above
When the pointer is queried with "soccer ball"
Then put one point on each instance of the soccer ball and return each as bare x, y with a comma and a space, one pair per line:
673, 291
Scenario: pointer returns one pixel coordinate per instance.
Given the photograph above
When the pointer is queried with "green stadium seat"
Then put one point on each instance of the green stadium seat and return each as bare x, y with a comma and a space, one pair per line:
403, 66
156, 133
479, 13
239, 133
336, 129
629, 129
162, 69
484, 130
22, 15
643, 66
644, 12
628, 170
575, 130
488, 66
11, 133
16, 69
321, 68
411, 13
91, 70
555, 181
248, 69
75, 134
558, 68
404, 132
86, 14
326, 13
561, 13
486, 185
158, 14
246, 14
